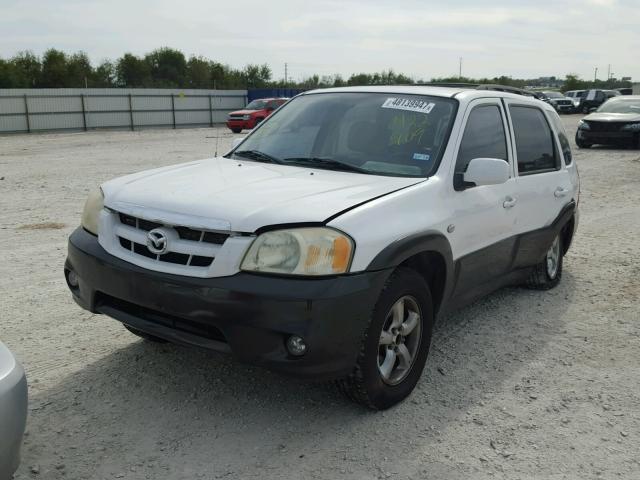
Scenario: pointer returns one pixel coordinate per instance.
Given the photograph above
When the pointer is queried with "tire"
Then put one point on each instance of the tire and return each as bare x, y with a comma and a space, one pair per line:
582, 144
585, 110
548, 273
258, 121
367, 384
236, 130
145, 336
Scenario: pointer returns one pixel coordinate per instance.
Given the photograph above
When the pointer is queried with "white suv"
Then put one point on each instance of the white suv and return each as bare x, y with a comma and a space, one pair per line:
327, 242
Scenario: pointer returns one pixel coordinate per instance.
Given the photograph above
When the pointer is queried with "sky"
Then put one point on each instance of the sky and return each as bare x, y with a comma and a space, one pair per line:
421, 38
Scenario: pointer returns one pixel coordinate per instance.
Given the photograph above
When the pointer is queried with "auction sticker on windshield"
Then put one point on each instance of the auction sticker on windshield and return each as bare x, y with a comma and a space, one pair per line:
411, 105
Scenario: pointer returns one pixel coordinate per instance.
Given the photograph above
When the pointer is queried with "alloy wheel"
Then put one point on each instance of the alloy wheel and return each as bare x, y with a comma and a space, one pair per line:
553, 258
399, 340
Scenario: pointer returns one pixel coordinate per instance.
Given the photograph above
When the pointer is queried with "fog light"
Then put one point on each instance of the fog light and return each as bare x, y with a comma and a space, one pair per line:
72, 279
296, 346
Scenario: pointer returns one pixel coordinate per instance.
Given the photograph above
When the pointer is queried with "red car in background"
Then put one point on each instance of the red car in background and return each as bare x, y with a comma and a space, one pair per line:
253, 114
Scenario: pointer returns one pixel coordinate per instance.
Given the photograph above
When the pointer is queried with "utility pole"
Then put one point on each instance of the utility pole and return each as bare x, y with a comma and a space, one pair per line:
595, 75
285, 74
460, 69
608, 71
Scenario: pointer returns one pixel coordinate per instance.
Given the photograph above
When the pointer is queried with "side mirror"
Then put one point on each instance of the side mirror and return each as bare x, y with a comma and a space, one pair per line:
486, 171
237, 141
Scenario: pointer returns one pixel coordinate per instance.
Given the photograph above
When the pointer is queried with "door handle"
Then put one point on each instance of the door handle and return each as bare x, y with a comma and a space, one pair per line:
560, 192
509, 202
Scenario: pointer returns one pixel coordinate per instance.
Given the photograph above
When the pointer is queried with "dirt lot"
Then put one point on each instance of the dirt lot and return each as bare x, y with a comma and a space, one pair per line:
520, 385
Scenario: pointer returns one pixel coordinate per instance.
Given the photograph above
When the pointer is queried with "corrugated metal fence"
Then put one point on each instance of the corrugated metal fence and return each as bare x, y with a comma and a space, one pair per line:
39, 110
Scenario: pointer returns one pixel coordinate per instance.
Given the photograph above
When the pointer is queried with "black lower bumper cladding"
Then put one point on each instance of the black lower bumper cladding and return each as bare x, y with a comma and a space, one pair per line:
249, 315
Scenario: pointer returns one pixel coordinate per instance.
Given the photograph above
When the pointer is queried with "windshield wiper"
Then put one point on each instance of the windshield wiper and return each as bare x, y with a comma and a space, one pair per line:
258, 156
328, 163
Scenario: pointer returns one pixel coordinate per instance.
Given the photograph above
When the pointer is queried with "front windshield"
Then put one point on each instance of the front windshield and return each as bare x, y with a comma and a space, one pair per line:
626, 105
256, 105
376, 133
553, 94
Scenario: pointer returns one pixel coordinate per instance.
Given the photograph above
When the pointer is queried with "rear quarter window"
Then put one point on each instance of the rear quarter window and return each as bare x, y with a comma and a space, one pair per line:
565, 145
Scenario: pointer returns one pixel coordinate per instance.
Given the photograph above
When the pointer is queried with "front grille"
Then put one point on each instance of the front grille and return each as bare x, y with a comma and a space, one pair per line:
605, 126
564, 102
192, 247
185, 233
237, 116
204, 330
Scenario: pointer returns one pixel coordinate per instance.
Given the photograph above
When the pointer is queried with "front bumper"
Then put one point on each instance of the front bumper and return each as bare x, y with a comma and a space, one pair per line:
564, 108
13, 416
248, 315
608, 138
241, 124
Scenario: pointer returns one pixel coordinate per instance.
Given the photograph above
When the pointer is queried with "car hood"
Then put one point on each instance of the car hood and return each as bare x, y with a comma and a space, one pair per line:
612, 117
244, 112
243, 196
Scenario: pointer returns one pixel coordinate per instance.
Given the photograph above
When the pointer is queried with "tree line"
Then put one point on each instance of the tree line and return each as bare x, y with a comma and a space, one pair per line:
170, 68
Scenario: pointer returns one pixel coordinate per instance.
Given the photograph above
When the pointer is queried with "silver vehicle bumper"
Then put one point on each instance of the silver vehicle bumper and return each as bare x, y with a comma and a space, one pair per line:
13, 411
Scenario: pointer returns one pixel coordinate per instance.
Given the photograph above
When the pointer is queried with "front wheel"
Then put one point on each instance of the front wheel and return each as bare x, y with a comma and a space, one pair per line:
236, 130
548, 272
396, 344
581, 143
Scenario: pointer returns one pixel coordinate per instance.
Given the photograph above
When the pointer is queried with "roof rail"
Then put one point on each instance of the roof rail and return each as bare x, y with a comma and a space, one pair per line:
485, 86
508, 89
451, 84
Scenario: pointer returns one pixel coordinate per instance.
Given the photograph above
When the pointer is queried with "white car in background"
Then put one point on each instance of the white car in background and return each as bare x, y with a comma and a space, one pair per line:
13, 411
327, 242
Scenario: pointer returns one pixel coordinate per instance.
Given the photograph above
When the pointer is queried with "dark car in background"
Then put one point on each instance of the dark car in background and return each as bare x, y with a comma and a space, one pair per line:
616, 122
592, 99
253, 114
557, 100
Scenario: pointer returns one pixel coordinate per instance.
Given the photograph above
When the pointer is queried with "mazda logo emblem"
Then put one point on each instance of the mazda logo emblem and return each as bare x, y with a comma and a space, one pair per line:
157, 241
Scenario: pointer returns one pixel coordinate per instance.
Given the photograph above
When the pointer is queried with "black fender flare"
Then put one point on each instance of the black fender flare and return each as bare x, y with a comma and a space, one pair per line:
404, 248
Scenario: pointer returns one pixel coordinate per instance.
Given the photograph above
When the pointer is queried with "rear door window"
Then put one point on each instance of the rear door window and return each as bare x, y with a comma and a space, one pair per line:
535, 146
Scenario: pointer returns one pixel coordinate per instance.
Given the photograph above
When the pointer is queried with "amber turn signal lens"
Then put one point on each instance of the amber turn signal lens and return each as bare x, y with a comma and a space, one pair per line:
341, 254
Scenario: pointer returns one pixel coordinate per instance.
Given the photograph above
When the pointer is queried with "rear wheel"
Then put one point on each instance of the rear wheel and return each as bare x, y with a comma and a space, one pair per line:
396, 344
236, 130
145, 336
548, 272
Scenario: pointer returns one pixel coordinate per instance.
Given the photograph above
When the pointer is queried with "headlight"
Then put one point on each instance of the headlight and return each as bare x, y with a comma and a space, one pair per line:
634, 127
246, 117
300, 251
582, 125
576, 102
92, 208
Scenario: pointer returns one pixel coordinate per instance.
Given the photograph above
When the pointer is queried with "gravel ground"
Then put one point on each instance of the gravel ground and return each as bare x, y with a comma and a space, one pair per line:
519, 385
